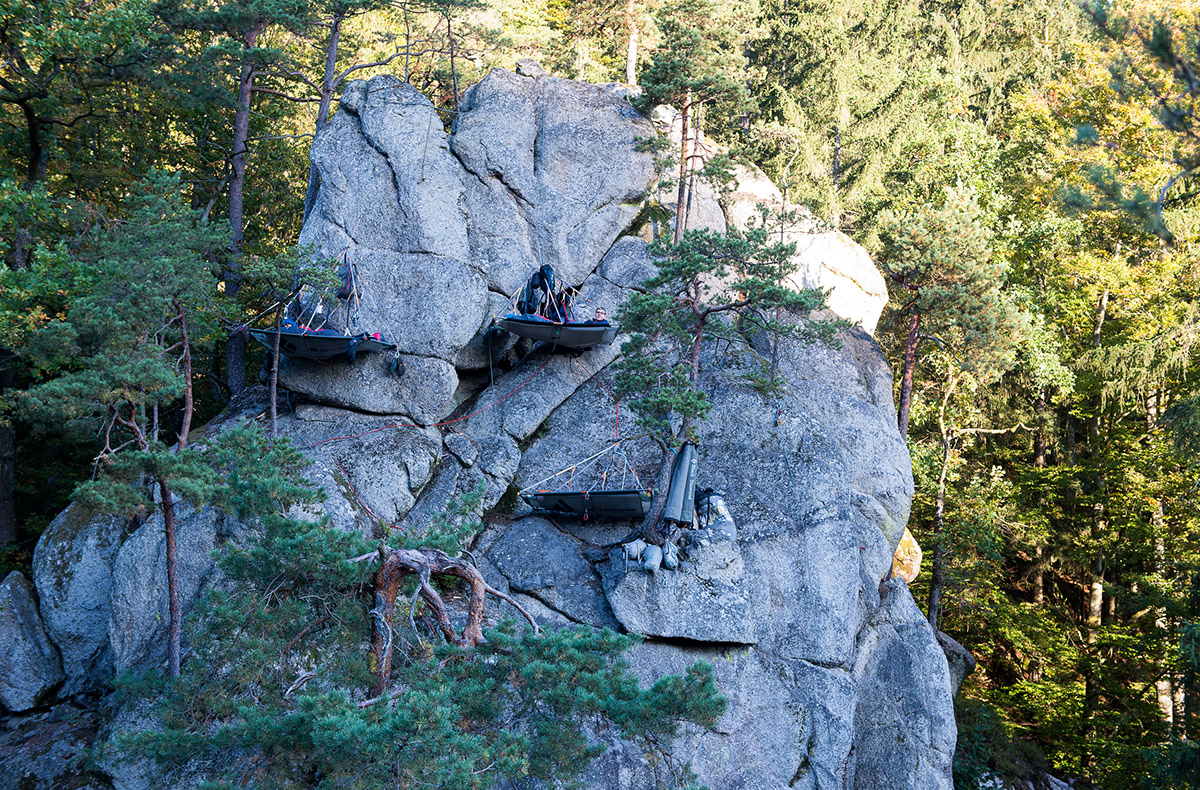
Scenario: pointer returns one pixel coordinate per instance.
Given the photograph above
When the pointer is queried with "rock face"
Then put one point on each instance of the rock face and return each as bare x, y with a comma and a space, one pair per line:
73, 574
29, 662
904, 721
137, 626
959, 659
433, 221
833, 681
824, 258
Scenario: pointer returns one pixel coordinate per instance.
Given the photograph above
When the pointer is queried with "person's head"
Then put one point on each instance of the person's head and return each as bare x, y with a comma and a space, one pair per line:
601, 315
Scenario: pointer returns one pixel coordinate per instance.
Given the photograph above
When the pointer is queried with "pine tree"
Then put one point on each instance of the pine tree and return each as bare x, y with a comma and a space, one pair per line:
120, 361
279, 697
698, 64
704, 281
941, 262
236, 42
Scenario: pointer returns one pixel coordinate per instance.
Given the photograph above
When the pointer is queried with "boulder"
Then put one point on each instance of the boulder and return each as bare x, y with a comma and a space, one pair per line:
832, 261
431, 221
960, 661
542, 561
361, 462
382, 475
30, 666
485, 465
388, 179
709, 599
904, 723
73, 575
487, 349
530, 146
907, 559
423, 392
137, 627
391, 199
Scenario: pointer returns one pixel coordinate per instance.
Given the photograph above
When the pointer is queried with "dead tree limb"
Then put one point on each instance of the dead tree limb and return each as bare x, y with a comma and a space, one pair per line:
425, 563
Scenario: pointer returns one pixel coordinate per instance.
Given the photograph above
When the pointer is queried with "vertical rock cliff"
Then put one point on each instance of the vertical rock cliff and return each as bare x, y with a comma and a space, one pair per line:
834, 680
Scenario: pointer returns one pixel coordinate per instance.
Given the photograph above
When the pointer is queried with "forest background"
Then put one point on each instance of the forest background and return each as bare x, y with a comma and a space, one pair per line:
1023, 170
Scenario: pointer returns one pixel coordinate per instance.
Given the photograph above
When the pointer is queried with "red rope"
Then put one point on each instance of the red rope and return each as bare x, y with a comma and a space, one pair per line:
616, 402
436, 424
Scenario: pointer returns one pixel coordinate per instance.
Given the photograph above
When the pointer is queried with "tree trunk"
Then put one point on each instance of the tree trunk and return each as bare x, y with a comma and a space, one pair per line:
335, 32
19, 258
453, 70
1039, 575
1039, 462
35, 175
650, 531
1162, 687
8, 459
189, 399
35, 165
835, 210
937, 574
1091, 692
683, 165
906, 377
632, 49
235, 346
174, 609
273, 395
1101, 312
425, 563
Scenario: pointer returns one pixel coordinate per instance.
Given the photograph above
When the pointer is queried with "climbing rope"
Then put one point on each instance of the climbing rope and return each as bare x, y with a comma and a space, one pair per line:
616, 403
579, 466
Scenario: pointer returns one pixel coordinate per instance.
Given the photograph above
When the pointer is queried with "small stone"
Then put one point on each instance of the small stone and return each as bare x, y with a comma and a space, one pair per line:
527, 67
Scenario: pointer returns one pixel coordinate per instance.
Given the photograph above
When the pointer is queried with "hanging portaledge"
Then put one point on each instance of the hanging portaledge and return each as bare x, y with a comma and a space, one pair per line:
578, 336
542, 312
682, 492
319, 345
622, 503
306, 337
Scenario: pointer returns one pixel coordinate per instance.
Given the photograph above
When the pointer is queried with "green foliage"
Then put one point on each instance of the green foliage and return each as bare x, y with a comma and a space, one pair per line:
870, 106
113, 357
988, 748
1184, 419
274, 692
1156, 60
698, 60
58, 61
941, 260
702, 282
